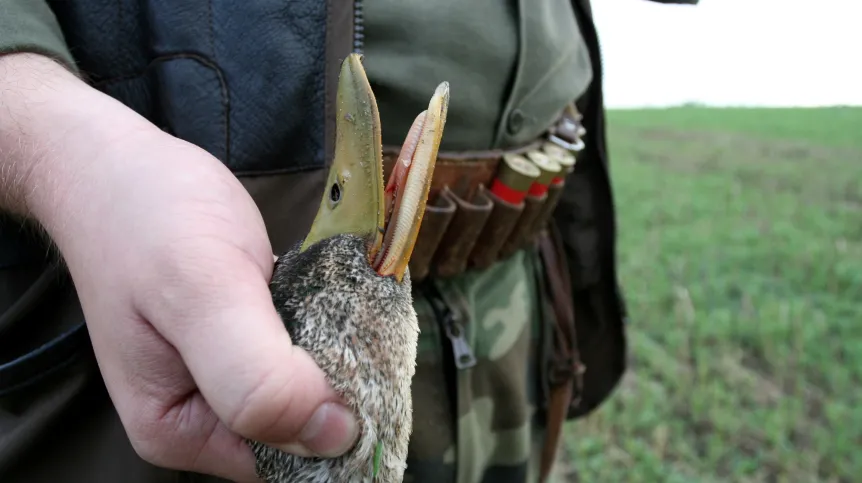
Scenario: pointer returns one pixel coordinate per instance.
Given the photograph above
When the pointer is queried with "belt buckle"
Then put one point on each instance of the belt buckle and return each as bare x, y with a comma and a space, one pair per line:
568, 133
573, 147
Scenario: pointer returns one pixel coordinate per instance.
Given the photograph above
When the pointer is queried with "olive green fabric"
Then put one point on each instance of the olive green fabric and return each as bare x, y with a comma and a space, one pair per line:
30, 26
512, 66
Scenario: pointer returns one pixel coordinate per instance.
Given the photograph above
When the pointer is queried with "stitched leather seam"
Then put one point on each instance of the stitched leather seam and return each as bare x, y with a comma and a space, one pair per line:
203, 60
212, 27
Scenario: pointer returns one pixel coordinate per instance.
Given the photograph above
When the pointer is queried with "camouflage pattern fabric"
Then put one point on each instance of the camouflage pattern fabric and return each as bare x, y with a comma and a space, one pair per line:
479, 424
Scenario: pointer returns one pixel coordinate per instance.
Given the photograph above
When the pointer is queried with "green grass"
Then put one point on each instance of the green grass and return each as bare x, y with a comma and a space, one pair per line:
829, 127
740, 253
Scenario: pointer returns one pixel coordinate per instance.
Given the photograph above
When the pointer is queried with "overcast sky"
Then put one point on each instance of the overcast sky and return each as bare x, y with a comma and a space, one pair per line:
731, 52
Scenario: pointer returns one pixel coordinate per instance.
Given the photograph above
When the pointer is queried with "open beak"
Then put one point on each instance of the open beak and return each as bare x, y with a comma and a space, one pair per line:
354, 199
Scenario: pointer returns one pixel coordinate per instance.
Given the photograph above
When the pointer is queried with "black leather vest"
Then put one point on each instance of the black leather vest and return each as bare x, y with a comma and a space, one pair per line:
245, 80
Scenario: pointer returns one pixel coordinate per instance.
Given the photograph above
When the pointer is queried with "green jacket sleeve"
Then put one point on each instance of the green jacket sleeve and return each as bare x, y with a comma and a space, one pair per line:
30, 26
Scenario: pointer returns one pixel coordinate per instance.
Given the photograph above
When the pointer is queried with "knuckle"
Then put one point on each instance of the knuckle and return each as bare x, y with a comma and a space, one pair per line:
149, 442
150, 452
163, 438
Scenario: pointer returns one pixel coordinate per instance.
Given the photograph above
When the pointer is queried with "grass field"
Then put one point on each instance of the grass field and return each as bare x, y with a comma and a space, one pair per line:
741, 257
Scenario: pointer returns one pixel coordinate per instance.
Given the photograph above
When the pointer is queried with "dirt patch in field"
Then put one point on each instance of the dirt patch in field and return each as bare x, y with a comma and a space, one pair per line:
765, 149
774, 166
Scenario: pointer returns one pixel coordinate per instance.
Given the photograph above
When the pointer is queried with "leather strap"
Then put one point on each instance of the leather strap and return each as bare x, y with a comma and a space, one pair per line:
463, 172
566, 371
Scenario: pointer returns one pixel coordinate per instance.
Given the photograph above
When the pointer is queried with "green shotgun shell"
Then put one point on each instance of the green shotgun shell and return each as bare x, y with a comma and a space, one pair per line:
551, 171
517, 173
561, 155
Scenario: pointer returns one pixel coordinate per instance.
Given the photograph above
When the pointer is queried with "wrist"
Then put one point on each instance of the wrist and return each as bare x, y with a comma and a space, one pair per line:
53, 127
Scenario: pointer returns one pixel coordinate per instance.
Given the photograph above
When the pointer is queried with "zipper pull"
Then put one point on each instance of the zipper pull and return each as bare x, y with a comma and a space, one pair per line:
464, 357
447, 317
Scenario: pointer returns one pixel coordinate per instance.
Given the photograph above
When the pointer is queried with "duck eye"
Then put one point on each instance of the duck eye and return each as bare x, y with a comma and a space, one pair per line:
335, 193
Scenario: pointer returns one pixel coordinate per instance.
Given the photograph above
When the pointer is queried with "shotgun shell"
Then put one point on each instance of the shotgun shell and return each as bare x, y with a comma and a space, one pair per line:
551, 172
577, 117
515, 175
573, 111
563, 156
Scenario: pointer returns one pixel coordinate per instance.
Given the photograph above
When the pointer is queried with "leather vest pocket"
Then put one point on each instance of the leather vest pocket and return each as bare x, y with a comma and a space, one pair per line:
229, 77
41, 328
42, 336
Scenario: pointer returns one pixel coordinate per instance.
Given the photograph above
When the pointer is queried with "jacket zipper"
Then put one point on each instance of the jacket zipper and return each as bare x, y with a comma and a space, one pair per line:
452, 327
464, 357
358, 27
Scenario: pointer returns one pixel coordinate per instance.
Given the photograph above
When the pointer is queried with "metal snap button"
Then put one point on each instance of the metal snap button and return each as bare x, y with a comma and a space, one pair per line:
516, 121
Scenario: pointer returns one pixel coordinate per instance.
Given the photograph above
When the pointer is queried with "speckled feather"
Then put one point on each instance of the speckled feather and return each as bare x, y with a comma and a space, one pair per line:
362, 330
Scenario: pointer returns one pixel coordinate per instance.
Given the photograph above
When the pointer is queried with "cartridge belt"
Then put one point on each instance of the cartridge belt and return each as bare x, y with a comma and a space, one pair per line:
462, 172
484, 206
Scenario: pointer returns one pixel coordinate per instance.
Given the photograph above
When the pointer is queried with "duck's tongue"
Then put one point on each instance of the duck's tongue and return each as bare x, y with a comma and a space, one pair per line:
354, 200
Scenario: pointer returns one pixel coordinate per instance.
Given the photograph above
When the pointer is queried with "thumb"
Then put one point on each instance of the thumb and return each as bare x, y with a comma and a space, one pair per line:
241, 357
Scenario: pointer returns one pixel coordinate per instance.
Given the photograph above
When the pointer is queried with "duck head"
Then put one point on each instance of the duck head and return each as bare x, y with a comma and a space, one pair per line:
344, 294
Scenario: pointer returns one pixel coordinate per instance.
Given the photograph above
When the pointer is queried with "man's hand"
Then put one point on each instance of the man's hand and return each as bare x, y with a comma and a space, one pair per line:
171, 261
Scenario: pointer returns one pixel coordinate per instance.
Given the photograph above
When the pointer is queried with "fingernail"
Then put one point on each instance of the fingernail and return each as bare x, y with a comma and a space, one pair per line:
331, 431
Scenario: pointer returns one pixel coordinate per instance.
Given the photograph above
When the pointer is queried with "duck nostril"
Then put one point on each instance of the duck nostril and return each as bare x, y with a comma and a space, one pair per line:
335, 193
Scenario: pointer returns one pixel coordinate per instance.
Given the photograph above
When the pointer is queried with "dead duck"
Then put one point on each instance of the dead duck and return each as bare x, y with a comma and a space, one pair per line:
344, 294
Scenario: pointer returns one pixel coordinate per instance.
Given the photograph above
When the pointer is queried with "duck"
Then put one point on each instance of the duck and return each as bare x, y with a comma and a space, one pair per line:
344, 292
